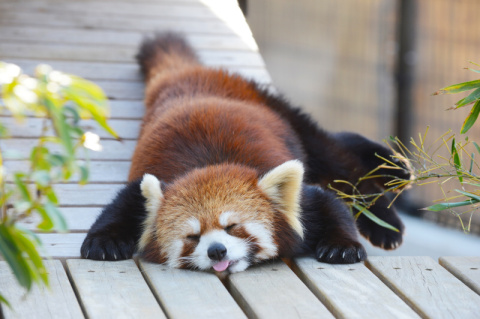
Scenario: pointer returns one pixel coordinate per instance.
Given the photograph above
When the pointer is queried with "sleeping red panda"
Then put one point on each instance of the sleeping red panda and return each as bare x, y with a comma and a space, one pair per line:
226, 175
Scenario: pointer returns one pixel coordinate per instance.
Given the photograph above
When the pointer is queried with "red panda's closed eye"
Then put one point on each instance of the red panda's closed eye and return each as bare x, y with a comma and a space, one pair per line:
229, 228
195, 238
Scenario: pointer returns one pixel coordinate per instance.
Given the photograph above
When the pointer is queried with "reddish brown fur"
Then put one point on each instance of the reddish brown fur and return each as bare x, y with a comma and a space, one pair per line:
206, 130
201, 131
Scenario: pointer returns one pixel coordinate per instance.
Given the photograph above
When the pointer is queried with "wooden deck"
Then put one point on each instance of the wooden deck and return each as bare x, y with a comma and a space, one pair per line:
97, 39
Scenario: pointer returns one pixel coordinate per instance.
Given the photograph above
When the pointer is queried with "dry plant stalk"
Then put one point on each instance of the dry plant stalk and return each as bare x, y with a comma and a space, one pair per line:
427, 165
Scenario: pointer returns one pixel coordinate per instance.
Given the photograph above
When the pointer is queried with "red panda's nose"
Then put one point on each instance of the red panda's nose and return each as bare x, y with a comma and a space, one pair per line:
216, 251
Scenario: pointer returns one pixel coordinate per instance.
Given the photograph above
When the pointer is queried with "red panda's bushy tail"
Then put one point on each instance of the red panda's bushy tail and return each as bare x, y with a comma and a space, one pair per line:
164, 52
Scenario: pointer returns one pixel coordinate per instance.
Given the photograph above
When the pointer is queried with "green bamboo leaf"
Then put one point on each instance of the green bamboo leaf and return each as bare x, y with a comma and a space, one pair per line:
374, 218
56, 216
22, 187
98, 113
61, 127
57, 159
27, 246
477, 147
39, 158
460, 87
84, 174
471, 98
4, 301
42, 178
471, 163
86, 88
51, 195
453, 150
443, 206
13, 256
46, 223
458, 166
472, 117
476, 71
470, 195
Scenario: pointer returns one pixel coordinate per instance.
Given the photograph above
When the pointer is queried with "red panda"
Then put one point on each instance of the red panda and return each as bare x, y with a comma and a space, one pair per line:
226, 175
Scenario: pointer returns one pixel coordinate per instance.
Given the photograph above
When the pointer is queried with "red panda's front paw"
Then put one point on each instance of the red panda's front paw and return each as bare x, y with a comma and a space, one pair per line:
334, 253
106, 248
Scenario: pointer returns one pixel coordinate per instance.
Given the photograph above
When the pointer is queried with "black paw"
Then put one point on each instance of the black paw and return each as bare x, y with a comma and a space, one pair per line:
380, 236
99, 247
335, 253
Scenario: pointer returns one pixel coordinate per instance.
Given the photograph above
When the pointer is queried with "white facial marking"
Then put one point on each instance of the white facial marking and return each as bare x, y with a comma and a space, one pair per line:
237, 248
174, 251
264, 239
226, 218
194, 224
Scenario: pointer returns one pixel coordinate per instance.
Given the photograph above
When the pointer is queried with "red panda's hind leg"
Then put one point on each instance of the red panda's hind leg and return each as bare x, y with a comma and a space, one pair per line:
330, 230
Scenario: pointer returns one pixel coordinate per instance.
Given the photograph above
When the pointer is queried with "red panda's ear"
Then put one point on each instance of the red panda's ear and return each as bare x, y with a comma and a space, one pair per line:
283, 186
151, 190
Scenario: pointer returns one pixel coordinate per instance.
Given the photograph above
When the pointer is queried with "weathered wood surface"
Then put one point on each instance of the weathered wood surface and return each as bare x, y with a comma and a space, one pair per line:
351, 291
426, 286
272, 290
190, 294
112, 150
56, 302
78, 219
118, 38
113, 290
125, 290
100, 171
467, 269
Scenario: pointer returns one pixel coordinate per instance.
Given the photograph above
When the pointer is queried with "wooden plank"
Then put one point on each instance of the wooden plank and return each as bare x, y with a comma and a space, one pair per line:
196, 10
121, 71
19, 149
113, 290
120, 90
99, 171
79, 219
53, 35
32, 127
114, 22
426, 286
467, 269
190, 294
351, 291
57, 301
102, 53
86, 195
257, 292
61, 246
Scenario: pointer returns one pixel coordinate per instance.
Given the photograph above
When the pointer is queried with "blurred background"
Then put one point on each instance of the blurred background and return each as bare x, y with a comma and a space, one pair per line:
371, 66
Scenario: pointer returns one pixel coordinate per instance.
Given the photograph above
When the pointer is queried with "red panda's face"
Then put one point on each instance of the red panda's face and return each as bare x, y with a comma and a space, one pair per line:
220, 217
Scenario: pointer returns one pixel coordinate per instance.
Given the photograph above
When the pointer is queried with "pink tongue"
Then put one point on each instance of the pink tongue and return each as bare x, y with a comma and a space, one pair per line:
221, 266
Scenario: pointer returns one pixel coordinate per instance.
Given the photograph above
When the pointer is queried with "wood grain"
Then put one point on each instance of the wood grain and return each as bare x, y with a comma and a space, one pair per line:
19, 149
104, 53
61, 246
117, 38
100, 171
467, 269
426, 286
272, 290
79, 219
32, 127
190, 294
112, 289
351, 291
58, 301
